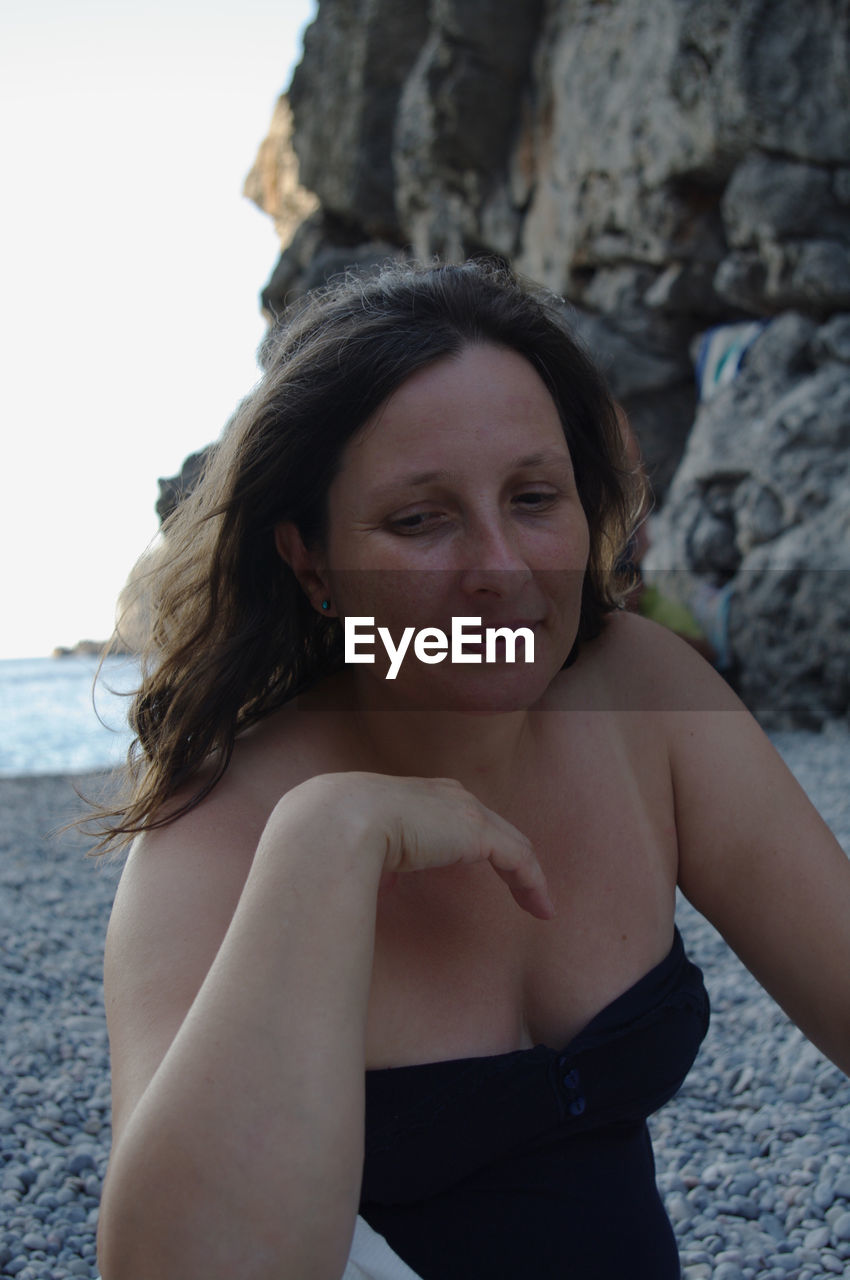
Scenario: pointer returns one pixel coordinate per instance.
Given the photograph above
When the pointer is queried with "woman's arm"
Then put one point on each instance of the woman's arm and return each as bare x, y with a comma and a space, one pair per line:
755, 857
237, 991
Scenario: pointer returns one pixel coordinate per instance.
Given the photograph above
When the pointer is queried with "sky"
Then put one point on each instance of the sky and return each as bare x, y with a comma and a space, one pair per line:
131, 266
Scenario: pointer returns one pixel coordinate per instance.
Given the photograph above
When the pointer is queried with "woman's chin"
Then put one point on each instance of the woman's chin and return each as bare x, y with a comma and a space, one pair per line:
486, 690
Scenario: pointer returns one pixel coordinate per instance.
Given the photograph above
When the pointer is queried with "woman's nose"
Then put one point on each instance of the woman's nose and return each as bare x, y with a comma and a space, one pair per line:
492, 561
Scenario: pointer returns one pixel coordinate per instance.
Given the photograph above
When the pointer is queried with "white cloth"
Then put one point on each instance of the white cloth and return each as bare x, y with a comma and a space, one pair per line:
371, 1258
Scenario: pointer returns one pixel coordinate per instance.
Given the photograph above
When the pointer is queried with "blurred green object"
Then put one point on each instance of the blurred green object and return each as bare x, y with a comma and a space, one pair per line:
669, 613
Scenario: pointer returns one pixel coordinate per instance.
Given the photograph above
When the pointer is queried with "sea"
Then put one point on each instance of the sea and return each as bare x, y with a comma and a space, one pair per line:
53, 719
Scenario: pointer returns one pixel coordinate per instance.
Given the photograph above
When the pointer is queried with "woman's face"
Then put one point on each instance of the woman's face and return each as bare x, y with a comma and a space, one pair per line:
457, 498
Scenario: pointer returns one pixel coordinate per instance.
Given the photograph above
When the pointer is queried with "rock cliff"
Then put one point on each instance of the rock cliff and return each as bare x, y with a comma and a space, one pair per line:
669, 167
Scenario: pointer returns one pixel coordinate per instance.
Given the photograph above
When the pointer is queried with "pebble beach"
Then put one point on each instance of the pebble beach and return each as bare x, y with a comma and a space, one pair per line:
753, 1155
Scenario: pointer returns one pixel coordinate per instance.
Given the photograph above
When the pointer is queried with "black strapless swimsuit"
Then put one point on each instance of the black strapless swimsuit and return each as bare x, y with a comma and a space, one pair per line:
537, 1163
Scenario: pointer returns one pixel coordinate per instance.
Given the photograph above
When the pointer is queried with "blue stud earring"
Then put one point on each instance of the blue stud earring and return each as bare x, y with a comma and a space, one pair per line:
326, 604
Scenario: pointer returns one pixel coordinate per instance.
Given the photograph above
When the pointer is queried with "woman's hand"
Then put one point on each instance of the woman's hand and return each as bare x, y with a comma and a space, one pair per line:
422, 823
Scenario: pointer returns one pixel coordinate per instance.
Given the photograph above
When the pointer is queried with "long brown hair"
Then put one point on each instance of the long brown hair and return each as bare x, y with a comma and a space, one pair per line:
230, 635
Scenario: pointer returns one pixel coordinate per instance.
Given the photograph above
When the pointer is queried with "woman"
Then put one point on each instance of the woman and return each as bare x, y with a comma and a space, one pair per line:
312, 894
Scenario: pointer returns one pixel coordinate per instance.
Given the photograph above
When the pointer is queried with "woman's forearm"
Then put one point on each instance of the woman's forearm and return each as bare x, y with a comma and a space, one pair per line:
244, 1154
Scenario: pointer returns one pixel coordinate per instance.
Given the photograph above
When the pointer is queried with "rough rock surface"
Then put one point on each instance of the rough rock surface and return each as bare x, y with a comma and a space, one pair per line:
761, 505
273, 182
665, 165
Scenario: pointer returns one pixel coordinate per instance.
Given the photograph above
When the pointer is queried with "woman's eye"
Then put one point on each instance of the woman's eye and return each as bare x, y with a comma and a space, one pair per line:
418, 522
535, 499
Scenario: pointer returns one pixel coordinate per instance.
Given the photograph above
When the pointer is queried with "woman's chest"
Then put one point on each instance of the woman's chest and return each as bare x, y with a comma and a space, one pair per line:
460, 970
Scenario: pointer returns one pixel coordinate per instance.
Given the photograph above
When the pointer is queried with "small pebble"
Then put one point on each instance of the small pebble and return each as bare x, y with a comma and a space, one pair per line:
728, 1271
817, 1238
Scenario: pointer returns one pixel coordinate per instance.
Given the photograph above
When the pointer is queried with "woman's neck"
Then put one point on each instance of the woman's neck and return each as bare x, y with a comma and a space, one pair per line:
483, 752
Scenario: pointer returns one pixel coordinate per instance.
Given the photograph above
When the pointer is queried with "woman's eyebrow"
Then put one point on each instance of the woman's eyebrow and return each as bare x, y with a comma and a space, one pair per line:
541, 459
428, 477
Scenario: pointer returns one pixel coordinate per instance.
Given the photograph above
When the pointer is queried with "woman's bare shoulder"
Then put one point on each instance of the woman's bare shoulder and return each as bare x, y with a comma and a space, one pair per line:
635, 664
183, 879
268, 760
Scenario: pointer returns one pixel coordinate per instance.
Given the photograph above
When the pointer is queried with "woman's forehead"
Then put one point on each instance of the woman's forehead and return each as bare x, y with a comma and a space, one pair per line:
483, 394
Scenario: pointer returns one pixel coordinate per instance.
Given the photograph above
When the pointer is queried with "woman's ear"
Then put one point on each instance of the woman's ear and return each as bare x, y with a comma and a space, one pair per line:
307, 566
